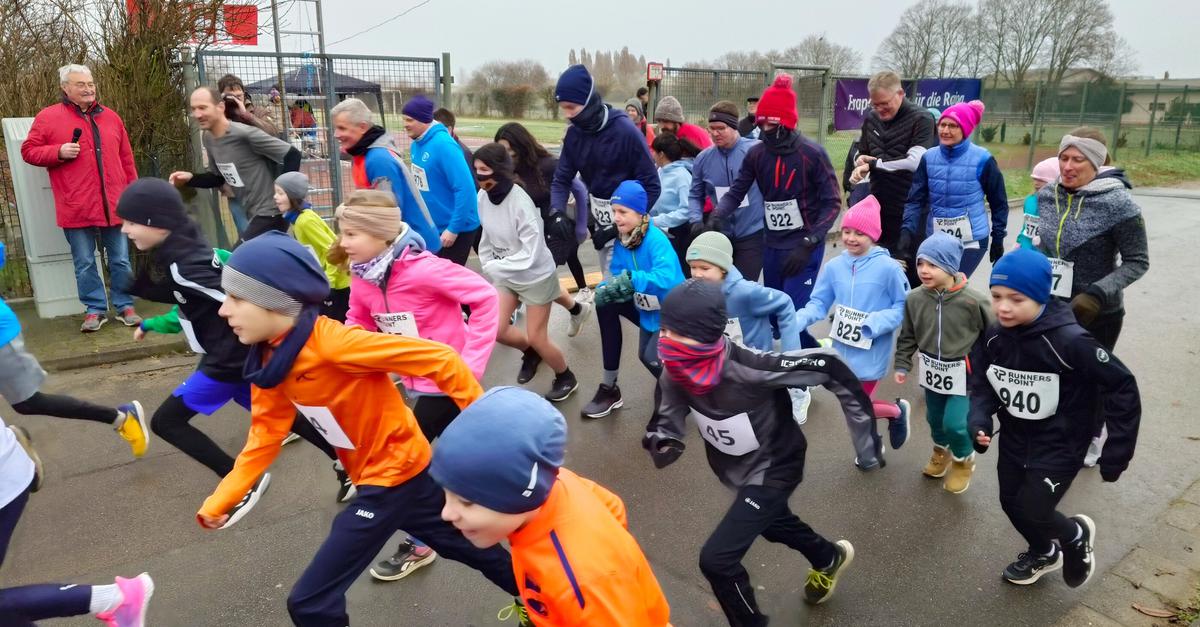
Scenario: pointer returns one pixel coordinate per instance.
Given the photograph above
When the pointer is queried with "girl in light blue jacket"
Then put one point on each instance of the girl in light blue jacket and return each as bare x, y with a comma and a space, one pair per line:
865, 289
670, 211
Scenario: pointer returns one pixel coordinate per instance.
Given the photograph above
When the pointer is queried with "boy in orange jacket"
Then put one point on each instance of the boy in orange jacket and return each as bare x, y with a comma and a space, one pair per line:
338, 378
575, 562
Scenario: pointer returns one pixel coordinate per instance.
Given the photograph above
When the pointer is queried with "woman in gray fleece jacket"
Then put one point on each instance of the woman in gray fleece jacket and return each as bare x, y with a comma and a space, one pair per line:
1093, 232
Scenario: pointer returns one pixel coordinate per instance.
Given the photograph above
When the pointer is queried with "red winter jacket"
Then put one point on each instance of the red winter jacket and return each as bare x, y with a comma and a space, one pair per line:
87, 187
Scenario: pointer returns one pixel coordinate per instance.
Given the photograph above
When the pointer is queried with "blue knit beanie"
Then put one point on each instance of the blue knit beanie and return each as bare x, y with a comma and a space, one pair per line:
574, 85
942, 250
275, 272
503, 451
419, 108
1024, 270
632, 195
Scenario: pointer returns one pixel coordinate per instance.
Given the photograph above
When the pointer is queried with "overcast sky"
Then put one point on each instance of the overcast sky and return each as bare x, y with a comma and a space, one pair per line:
1163, 32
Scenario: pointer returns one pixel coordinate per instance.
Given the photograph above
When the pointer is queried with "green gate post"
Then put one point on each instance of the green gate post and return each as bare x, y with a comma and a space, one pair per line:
1153, 110
447, 80
1033, 133
1182, 114
1116, 139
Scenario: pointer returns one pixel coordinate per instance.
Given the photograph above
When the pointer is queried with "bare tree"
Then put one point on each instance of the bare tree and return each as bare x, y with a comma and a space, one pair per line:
1025, 35
1077, 35
912, 49
511, 85
1115, 58
816, 49
952, 39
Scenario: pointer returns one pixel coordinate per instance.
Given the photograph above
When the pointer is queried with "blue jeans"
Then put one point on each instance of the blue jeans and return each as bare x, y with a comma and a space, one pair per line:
87, 275
240, 220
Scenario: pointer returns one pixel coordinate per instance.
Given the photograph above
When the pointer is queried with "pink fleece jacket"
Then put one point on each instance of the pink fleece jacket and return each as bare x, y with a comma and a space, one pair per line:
432, 290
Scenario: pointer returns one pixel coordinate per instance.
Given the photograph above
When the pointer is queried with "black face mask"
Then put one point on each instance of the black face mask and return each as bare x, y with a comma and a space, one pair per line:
780, 140
496, 185
592, 117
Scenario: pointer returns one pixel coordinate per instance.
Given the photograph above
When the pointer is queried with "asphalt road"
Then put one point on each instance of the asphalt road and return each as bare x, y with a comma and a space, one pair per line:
924, 556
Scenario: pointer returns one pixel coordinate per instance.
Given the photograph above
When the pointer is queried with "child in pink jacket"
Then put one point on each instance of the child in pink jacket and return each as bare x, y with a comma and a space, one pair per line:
396, 286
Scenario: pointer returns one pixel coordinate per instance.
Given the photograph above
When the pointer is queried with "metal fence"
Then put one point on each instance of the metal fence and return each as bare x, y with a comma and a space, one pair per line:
299, 90
14, 276
697, 89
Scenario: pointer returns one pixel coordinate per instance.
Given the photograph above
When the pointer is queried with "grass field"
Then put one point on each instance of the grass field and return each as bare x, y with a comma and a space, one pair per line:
1161, 169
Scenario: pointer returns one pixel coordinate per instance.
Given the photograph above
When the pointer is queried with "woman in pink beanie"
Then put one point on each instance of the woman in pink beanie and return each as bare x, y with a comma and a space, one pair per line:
865, 289
953, 189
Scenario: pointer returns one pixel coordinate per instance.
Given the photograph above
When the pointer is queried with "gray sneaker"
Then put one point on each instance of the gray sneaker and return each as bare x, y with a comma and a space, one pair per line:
585, 312
92, 322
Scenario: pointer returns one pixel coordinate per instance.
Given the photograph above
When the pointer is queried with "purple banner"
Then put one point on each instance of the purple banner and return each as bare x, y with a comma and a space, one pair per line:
852, 100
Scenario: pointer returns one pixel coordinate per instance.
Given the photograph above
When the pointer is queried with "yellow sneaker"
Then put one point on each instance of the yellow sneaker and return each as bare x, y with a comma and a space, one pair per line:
939, 463
134, 428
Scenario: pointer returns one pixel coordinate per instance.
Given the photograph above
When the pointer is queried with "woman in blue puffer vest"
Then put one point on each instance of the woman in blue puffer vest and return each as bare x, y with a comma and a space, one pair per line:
955, 186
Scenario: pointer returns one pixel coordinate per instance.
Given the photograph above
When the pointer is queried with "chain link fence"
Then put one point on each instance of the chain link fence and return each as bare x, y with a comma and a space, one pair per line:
697, 89
298, 90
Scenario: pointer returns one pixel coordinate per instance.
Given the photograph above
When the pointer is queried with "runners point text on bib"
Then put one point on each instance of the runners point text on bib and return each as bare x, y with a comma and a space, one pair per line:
1027, 395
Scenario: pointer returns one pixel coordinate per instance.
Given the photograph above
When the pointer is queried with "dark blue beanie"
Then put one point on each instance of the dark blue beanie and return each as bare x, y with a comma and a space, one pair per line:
632, 195
275, 272
503, 451
695, 309
574, 85
942, 250
1024, 270
419, 108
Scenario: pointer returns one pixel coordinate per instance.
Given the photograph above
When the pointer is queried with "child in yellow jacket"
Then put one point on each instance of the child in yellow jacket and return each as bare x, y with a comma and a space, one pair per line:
310, 229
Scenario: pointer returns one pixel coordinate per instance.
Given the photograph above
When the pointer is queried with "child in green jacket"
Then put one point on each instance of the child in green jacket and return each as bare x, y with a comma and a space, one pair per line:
291, 191
942, 320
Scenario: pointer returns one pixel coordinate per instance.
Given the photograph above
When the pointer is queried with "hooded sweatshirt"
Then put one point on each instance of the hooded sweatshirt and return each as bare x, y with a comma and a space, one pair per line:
750, 307
942, 323
873, 284
378, 165
513, 247
713, 173
617, 152
653, 269
445, 181
425, 293
671, 209
801, 173
1060, 386
1090, 228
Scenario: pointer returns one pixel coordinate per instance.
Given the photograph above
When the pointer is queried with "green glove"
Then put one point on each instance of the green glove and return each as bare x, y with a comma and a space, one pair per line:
618, 290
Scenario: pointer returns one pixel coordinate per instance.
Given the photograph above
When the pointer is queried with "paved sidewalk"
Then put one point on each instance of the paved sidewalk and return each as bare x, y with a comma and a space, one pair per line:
1161, 572
59, 345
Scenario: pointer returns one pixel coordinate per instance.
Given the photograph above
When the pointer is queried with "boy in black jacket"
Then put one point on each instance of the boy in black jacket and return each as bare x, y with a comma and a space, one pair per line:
739, 400
1052, 385
184, 270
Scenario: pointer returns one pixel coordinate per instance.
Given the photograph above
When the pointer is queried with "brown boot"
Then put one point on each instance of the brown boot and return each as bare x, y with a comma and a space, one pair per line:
960, 473
938, 463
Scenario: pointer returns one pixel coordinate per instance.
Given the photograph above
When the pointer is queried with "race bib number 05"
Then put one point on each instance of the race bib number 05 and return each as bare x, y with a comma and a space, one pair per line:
1026, 395
230, 173
732, 436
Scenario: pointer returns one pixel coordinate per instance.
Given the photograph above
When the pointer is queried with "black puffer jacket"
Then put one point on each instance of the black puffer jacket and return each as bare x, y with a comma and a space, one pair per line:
891, 141
1016, 373
183, 270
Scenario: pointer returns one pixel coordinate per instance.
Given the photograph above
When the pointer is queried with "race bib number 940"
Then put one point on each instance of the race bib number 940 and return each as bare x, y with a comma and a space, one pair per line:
1026, 395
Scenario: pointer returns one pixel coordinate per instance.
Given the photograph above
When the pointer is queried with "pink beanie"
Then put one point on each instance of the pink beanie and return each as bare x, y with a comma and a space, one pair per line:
1045, 170
966, 114
864, 217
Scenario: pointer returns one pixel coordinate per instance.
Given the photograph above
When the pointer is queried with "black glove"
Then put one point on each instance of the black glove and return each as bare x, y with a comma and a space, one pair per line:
664, 452
603, 236
996, 251
799, 257
1086, 307
560, 237
1110, 473
903, 246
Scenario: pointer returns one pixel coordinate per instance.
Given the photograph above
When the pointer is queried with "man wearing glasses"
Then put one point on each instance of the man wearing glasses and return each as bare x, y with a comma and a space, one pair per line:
895, 134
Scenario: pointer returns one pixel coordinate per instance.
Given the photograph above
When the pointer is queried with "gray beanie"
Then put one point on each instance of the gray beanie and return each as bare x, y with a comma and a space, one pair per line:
294, 184
713, 247
637, 104
669, 109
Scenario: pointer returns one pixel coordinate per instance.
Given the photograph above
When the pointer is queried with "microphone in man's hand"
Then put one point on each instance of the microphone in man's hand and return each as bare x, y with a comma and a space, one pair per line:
76, 135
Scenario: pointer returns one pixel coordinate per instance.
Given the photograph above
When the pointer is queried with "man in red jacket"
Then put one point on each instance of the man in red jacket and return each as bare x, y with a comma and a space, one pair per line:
85, 149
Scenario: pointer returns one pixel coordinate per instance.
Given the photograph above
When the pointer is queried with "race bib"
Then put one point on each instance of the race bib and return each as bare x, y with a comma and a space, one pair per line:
958, 227
733, 330
1063, 274
847, 327
1027, 395
230, 173
944, 377
646, 302
1030, 227
732, 436
782, 215
420, 177
322, 420
401, 323
602, 211
721, 191
190, 333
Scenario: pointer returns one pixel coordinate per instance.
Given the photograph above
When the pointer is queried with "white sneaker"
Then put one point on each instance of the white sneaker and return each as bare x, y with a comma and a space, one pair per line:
585, 312
801, 400
248, 502
1096, 448
291, 437
585, 295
